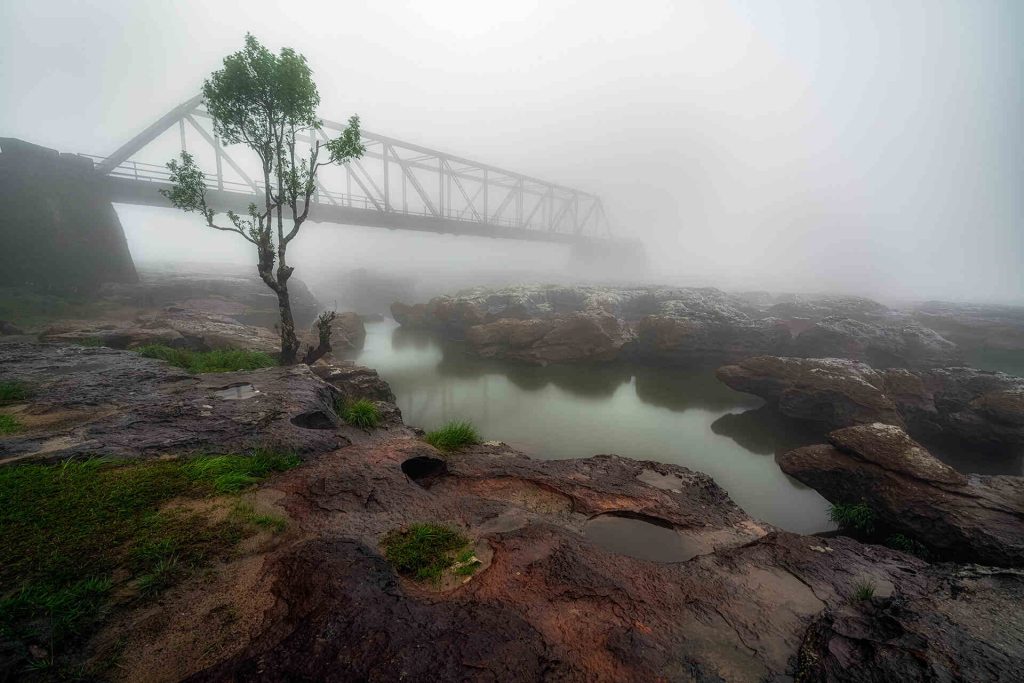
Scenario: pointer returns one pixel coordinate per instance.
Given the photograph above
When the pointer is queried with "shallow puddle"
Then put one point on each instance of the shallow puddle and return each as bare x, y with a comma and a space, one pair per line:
641, 538
238, 392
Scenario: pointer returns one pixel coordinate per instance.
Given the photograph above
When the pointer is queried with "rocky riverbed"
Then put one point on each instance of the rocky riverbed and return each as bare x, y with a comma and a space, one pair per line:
591, 569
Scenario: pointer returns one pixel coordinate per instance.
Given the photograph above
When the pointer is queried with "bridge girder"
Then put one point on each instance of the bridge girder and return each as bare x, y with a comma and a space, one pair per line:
450, 194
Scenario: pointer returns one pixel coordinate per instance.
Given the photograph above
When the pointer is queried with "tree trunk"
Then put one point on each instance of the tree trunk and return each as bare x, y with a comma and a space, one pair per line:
289, 342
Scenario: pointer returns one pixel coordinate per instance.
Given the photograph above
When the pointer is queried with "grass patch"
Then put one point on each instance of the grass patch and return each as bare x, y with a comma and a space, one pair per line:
853, 517
453, 435
67, 530
424, 551
362, 413
9, 424
863, 590
224, 360
907, 545
14, 392
247, 513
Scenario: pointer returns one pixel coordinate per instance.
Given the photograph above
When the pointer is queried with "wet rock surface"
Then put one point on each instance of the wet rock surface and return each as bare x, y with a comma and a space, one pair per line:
675, 325
104, 401
974, 518
552, 601
976, 406
175, 327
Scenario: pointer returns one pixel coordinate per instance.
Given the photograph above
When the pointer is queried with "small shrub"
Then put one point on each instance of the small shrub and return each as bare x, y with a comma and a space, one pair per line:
362, 413
907, 545
9, 424
424, 551
863, 590
223, 360
14, 392
453, 435
853, 517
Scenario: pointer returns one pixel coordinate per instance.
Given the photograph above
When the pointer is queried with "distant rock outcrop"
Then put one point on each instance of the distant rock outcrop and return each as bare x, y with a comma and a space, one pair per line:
973, 518
979, 407
678, 325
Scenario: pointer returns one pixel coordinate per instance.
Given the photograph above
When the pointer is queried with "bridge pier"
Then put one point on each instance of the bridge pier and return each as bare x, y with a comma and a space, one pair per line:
58, 227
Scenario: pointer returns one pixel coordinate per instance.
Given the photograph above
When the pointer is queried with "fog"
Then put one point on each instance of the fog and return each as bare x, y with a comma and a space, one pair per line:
867, 147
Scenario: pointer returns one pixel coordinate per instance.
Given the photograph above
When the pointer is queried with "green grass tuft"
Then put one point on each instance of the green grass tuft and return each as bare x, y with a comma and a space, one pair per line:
424, 551
362, 413
9, 424
907, 545
224, 360
453, 435
853, 517
863, 590
67, 530
247, 513
14, 392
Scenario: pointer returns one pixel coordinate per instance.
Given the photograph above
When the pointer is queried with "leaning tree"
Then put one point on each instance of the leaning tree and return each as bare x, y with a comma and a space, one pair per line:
268, 103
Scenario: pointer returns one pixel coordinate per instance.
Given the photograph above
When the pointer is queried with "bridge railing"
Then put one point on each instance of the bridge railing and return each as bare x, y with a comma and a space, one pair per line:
159, 174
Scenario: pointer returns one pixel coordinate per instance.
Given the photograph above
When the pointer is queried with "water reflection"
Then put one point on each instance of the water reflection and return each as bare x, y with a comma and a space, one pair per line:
568, 411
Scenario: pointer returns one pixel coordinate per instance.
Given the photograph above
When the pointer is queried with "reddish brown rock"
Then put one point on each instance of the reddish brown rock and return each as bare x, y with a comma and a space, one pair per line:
972, 518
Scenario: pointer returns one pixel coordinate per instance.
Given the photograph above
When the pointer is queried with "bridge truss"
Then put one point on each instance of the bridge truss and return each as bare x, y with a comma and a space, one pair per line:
396, 184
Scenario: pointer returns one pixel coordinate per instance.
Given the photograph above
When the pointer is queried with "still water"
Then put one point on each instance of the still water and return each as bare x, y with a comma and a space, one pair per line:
682, 416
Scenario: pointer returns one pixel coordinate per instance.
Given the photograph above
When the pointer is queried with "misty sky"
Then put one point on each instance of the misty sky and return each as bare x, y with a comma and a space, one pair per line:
872, 147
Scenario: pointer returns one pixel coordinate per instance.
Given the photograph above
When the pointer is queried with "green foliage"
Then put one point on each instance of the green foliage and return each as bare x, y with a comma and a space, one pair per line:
247, 512
224, 360
14, 392
9, 424
423, 551
907, 545
230, 473
466, 563
67, 530
362, 413
853, 517
863, 590
453, 435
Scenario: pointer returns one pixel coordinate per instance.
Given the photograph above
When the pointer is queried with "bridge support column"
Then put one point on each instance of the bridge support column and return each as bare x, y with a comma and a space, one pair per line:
58, 227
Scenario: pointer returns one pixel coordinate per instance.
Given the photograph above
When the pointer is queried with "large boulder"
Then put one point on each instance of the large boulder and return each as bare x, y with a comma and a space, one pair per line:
685, 340
571, 338
976, 518
978, 407
881, 346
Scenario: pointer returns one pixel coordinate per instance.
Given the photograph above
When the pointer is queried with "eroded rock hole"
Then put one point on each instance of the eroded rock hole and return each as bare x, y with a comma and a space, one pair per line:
425, 470
315, 419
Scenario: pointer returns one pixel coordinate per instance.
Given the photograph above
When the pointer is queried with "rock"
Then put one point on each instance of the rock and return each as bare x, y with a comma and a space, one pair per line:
978, 407
817, 308
684, 340
932, 639
575, 337
551, 602
881, 346
832, 391
977, 518
347, 333
7, 328
354, 381
102, 401
234, 291
173, 327
975, 326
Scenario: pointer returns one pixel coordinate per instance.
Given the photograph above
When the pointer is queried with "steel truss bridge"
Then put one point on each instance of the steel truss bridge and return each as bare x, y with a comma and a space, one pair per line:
396, 185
